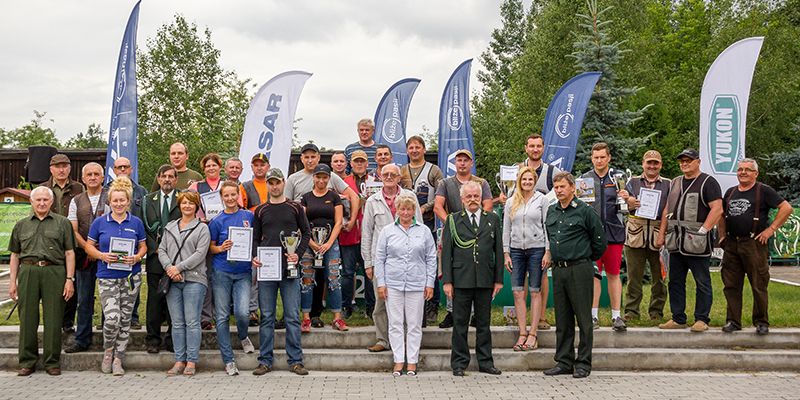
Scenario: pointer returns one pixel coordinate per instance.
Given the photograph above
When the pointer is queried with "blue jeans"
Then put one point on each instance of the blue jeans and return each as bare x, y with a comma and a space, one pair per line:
352, 263
185, 301
230, 288
84, 290
331, 264
679, 266
526, 262
267, 302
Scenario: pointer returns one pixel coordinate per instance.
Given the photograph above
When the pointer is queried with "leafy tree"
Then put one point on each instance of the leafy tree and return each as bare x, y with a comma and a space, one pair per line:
783, 165
94, 138
35, 133
186, 96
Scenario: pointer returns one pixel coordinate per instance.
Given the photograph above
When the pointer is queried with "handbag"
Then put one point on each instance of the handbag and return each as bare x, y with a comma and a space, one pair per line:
165, 281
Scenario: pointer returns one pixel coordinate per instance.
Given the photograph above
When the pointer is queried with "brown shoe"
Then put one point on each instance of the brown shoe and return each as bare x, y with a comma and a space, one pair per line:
671, 325
299, 369
543, 325
262, 369
377, 348
25, 371
699, 326
55, 371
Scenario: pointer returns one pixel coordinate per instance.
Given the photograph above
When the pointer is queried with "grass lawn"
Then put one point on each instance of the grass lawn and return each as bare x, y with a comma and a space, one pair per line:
782, 308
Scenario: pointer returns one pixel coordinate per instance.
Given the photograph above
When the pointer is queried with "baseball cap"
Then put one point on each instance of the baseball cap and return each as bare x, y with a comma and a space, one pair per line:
59, 159
690, 153
359, 154
260, 157
274, 173
309, 146
322, 169
651, 155
464, 152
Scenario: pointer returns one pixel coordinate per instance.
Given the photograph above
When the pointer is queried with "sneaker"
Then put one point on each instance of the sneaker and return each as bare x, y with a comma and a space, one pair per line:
730, 327
671, 325
262, 369
108, 359
247, 346
75, 348
136, 325
699, 326
280, 324
305, 326
447, 322
762, 329
116, 367
619, 325
316, 322
595, 323
299, 369
231, 369
340, 325
253, 319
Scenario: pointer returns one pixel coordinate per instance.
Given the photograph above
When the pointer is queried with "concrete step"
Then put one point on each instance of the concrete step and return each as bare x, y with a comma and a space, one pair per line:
664, 359
502, 338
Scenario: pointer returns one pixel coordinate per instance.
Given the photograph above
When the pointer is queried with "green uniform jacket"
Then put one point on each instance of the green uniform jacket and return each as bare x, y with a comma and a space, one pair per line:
478, 266
575, 232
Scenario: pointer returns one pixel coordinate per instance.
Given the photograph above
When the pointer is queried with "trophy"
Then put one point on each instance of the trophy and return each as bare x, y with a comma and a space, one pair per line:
320, 236
506, 187
620, 179
290, 242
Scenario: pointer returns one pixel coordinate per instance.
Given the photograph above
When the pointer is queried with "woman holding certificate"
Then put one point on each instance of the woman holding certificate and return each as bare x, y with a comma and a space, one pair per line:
211, 164
322, 260
231, 279
526, 251
118, 241
182, 252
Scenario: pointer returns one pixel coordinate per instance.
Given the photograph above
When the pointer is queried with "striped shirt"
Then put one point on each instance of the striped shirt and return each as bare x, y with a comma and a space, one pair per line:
370, 150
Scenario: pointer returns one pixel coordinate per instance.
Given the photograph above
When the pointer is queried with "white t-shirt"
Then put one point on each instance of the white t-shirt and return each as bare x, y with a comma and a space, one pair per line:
302, 182
72, 214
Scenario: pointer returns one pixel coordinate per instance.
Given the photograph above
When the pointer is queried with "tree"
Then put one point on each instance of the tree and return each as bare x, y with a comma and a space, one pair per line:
186, 96
32, 134
94, 138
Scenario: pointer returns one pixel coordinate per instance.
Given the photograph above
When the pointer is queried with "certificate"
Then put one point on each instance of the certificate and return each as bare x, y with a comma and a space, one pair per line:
649, 202
508, 172
212, 204
372, 187
271, 266
584, 189
242, 248
122, 247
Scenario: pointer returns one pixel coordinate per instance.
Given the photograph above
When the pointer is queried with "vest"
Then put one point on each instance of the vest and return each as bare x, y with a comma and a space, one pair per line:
641, 233
253, 199
422, 185
685, 216
203, 187
542, 185
85, 214
453, 195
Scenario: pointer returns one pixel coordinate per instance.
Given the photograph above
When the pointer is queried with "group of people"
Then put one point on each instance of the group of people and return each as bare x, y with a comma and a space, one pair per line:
364, 212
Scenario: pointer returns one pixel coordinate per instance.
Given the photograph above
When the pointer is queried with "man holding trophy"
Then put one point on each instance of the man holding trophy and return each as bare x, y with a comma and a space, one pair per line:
607, 183
282, 224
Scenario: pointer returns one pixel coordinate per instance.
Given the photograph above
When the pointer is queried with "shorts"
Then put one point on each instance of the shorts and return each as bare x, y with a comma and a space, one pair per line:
526, 262
611, 260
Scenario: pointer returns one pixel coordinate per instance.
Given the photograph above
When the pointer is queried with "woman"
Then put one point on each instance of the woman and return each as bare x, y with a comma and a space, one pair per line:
324, 210
526, 251
405, 267
118, 273
182, 252
231, 279
211, 164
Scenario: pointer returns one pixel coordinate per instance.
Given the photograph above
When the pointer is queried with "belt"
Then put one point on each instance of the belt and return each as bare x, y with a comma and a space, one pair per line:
33, 261
741, 238
570, 263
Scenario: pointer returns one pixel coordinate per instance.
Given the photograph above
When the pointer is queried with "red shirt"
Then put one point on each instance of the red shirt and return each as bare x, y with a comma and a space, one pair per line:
354, 236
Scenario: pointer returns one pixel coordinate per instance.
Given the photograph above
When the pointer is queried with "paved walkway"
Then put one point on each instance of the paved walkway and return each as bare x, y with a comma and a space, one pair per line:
433, 385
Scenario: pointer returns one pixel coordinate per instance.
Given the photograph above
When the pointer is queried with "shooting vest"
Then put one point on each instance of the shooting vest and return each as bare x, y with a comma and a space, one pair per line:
687, 210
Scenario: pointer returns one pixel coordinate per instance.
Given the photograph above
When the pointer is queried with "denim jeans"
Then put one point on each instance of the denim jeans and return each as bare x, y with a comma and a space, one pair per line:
185, 301
231, 288
679, 266
331, 265
351, 264
267, 302
84, 291
526, 262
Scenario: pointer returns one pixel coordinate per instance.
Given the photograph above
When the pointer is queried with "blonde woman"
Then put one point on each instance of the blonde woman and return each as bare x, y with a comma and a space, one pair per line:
525, 246
118, 275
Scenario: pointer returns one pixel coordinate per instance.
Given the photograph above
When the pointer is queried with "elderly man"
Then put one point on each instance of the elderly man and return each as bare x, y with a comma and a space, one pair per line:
472, 273
379, 211
42, 268
744, 233
178, 156
365, 143
83, 209
576, 238
233, 169
694, 206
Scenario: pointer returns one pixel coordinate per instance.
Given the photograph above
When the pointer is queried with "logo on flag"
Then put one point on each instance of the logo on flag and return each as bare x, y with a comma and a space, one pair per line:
724, 127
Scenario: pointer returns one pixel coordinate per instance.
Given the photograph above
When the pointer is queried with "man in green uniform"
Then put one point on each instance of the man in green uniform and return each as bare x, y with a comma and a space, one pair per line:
576, 238
42, 267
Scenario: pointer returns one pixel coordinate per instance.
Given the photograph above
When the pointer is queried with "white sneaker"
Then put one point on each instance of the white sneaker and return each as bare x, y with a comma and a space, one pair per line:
247, 346
230, 369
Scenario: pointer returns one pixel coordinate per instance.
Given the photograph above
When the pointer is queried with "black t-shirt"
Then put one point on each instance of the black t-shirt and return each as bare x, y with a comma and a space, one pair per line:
321, 211
272, 219
740, 209
711, 192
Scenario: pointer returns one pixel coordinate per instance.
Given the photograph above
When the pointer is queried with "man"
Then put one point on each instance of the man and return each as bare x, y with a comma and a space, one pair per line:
472, 272
253, 193
744, 233
64, 189
694, 206
42, 268
160, 207
383, 156
605, 204
576, 238
534, 148
448, 200
178, 155
271, 219
233, 169
350, 241
640, 247
379, 211
423, 178
365, 143
339, 164
83, 209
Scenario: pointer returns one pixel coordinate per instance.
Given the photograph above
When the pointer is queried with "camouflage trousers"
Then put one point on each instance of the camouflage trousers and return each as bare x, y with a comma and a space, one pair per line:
117, 297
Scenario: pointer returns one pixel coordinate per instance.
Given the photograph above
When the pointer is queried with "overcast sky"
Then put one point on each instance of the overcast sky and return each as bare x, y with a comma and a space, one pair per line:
60, 56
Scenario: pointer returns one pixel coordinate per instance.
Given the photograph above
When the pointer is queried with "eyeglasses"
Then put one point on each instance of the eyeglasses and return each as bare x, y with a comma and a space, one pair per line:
685, 161
748, 170
389, 176
122, 167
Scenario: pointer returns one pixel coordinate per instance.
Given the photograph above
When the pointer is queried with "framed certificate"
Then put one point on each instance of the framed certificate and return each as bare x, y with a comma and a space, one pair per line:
212, 204
122, 247
271, 266
242, 248
649, 202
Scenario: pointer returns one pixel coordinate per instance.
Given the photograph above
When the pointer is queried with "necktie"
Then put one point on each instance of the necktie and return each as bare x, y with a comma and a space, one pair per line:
474, 223
164, 211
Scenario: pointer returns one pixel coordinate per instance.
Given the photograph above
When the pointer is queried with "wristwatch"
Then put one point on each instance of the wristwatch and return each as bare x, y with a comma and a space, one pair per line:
71, 278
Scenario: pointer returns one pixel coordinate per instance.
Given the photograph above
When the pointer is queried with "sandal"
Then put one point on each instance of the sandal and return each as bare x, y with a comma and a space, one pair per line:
520, 345
176, 370
397, 373
411, 372
533, 346
189, 371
